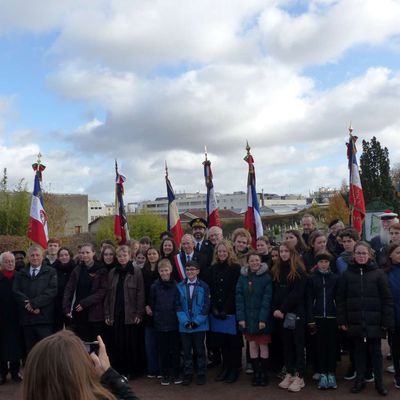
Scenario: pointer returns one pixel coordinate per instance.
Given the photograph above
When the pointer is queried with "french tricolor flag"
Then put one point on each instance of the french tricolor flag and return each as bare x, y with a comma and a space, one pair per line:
252, 219
356, 194
37, 228
211, 205
121, 228
174, 222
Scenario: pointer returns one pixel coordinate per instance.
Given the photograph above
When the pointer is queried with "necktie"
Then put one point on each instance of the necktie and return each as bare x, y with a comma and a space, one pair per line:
188, 258
198, 246
33, 272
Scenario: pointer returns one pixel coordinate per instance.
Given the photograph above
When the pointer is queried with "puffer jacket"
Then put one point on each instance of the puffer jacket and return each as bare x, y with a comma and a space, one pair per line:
394, 285
321, 293
364, 302
253, 299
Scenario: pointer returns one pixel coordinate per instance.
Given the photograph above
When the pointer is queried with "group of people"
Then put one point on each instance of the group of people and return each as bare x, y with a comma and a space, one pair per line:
173, 313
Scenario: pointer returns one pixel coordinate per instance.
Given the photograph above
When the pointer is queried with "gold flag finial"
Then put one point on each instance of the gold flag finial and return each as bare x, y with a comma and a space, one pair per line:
39, 158
205, 151
166, 169
248, 147
350, 128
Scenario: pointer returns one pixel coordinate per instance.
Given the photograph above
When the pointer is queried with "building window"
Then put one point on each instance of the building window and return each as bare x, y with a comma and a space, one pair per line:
78, 229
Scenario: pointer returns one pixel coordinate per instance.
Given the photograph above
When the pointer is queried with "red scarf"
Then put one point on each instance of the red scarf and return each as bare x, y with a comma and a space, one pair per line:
8, 274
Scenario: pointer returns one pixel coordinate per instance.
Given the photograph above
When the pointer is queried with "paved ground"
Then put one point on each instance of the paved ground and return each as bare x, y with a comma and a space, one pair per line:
151, 389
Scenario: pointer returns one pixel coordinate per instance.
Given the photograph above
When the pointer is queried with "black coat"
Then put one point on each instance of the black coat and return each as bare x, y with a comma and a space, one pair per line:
63, 274
164, 297
289, 294
321, 293
10, 330
39, 291
364, 302
223, 280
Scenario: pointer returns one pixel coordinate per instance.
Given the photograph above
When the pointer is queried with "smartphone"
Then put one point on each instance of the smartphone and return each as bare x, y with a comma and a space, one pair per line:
92, 347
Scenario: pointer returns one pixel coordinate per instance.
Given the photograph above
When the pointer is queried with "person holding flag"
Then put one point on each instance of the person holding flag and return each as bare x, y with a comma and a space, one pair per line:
356, 194
37, 228
252, 219
121, 228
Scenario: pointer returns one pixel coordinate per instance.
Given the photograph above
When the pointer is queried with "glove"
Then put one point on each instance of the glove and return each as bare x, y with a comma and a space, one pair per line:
222, 315
195, 325
189, 325
312, 328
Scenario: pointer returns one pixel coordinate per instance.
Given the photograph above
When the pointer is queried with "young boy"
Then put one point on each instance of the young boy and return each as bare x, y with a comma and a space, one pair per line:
321, 314
349, 237
163, 299
192, 310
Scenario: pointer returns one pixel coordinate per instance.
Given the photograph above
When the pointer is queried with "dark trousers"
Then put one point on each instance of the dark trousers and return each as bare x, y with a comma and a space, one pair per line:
395, 349
293, 349
34, 334
232, 350
326, 339
190, 342
150, 342
14, 368
168, 350
363, 347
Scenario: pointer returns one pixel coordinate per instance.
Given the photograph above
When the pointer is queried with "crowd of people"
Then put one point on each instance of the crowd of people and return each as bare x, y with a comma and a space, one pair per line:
173, 313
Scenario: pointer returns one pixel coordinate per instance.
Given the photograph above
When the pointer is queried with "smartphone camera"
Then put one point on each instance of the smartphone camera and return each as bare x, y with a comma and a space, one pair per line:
92, 347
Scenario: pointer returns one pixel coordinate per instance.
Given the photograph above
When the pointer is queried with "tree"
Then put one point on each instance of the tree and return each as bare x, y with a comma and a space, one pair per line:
337, 209
56, 215
375, 173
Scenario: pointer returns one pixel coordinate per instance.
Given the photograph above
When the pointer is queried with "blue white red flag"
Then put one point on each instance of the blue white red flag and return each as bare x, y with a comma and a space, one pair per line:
174, 222
211, 204
121, 228
356, 194
37, 228
252, 219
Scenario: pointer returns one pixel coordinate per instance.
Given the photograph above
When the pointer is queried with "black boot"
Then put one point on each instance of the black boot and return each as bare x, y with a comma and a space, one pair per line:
380, 388
264, 372
222, 375
255, 381
233, 375
359, 385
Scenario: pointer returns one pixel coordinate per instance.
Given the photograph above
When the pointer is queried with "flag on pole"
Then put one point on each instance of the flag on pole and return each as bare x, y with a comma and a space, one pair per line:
37, 228
174, 222
211, 202
252, 219
356, 194
121, 228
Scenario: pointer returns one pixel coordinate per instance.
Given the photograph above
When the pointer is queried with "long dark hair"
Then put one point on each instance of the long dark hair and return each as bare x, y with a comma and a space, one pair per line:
389, 265
295, 263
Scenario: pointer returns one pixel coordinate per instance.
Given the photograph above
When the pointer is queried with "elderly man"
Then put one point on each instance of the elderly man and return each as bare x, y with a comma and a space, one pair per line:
35, 288
10, 334
309, 226
380, 242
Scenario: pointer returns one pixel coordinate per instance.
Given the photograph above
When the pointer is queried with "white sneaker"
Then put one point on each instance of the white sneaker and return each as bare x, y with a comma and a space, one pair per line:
390, 369
297, 384
286, 382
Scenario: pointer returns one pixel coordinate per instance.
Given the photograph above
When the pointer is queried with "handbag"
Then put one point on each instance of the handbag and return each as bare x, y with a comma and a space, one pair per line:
290, 321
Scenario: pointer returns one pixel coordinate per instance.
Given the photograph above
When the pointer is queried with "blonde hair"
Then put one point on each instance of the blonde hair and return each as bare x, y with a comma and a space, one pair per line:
163, 263
59, 368
231, 254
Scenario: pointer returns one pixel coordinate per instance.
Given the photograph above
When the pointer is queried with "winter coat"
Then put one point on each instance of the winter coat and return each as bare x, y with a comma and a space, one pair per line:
394, 285
133, 294
253, 299
321, 293
64, 272
195, 309
40, 291
117, 385
94, 302
223, 280
364, 302
163, 299
10, 330
289, 294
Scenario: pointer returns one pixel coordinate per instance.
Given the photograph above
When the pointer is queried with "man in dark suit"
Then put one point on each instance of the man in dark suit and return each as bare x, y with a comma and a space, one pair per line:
35, 288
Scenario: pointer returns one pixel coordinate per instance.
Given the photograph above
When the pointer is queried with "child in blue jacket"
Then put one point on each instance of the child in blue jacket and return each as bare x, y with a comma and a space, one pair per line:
192, 310
253, 312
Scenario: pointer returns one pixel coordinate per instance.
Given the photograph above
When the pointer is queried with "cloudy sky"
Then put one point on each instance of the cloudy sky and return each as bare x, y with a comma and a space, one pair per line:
147, 81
